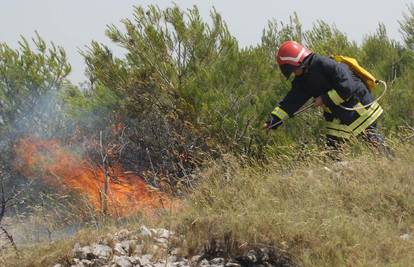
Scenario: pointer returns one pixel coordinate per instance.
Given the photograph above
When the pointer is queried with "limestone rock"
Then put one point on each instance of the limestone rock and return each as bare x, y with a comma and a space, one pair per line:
122, 248
145, 259
405, 237
101, 251
217, 261
122, 261
82, 252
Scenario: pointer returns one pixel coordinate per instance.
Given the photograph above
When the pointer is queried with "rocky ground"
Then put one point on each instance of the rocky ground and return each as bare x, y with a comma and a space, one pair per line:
153, 248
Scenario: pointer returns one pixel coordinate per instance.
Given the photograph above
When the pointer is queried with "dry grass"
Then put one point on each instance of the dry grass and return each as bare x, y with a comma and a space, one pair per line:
321, 213
49, 253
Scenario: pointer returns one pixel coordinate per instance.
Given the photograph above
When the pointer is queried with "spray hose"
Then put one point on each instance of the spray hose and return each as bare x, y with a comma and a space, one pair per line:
305, 108
368, 105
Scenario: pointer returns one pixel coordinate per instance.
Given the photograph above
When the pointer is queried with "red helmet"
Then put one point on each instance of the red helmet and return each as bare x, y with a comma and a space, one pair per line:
290, 56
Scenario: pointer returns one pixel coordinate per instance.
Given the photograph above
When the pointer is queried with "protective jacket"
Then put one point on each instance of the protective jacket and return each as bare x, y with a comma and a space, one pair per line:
338, 86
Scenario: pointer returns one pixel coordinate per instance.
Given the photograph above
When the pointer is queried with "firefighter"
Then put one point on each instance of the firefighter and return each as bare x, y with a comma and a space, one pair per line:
349, 107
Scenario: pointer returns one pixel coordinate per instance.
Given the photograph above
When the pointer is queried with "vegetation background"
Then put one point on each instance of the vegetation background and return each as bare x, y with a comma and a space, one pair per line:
186, 94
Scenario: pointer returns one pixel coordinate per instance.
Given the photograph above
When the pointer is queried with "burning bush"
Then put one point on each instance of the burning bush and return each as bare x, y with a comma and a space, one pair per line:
64, 170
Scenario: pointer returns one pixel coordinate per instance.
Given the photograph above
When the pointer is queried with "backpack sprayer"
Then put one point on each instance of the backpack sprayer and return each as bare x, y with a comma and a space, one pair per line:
366, 77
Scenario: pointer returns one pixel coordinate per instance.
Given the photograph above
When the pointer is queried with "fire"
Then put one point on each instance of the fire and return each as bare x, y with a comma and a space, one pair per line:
60, 167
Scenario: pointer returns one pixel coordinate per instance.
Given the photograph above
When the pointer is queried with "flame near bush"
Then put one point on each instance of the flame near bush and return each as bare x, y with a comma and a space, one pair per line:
59, 167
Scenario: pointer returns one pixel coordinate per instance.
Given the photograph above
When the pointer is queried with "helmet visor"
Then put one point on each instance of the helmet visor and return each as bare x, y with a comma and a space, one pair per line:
287, 70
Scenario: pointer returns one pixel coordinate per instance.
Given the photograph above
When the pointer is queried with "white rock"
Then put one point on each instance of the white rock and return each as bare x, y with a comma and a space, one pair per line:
57, 265
122, 248
204, 262
76, 261
99, 262
87, 263
101, 251
217, 261
122, 261
145, 259
126, 244
265, 254
195, 258
82, 263
405, 237
82, 252
172, 259
163, 233
119, 250
232, 264
135, 260
180, 264
251, 255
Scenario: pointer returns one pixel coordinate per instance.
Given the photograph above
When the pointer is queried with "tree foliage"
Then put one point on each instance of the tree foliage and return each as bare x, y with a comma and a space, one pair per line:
407, 27
185, 87
28, 79
187, 82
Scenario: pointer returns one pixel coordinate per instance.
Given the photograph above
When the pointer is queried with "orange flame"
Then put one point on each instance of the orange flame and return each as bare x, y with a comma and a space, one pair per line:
57, 166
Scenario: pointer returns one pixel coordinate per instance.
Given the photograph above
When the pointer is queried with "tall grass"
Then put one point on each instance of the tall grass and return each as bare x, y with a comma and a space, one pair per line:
318, 212
322, 213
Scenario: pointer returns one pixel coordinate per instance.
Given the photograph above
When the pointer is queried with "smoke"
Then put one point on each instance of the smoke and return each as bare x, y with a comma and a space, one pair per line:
60, 163
61, 168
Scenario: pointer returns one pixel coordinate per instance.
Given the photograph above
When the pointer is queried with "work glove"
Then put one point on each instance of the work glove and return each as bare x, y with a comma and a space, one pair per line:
273, 123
